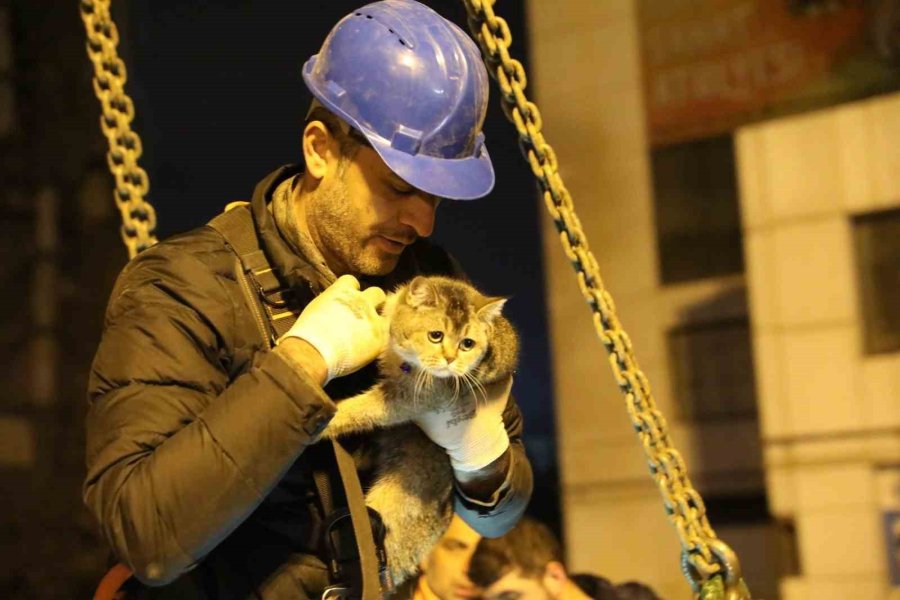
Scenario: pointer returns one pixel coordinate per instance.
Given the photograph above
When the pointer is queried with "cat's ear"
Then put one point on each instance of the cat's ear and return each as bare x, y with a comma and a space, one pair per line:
491, 309
421, 293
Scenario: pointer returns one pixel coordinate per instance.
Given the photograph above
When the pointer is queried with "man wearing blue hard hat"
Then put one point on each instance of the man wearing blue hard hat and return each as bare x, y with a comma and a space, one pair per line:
228, 349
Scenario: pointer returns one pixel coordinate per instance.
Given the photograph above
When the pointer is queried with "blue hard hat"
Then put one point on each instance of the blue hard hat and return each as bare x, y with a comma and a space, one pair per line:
414, 85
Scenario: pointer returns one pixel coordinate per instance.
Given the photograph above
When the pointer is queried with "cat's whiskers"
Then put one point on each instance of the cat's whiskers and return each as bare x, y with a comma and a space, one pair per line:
478, 387
420, 382
467, 380
424, 378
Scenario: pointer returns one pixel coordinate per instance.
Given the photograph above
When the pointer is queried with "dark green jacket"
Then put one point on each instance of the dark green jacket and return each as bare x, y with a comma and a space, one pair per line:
198, 436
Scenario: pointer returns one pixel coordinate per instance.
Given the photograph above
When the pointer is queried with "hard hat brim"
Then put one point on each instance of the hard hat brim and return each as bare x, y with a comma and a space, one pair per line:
452, 178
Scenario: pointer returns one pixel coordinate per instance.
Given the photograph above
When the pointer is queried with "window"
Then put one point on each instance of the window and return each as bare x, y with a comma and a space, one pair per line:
877, 241
712, 370
698, 226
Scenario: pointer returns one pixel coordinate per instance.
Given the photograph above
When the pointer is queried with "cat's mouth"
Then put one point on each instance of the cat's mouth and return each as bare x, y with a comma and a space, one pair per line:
441, 372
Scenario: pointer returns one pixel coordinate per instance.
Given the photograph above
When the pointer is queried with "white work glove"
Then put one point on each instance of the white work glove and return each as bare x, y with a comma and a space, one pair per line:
473, 437
343, 324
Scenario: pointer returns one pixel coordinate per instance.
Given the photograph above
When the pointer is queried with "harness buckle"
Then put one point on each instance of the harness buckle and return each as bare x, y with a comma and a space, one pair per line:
337, 592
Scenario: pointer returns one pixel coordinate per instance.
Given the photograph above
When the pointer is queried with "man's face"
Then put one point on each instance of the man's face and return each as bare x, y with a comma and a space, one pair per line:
362, 216
515, 586
447, 565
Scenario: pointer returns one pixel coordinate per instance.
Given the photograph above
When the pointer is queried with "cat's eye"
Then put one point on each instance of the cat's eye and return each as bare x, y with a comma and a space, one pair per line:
467, 343
435, 336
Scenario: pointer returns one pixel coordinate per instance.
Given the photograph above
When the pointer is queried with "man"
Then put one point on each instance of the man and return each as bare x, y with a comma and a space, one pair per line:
526, 564
203, 469
444, 573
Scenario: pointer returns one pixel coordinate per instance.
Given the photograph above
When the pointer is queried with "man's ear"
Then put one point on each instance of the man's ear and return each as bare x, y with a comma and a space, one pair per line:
319, 149
554, 579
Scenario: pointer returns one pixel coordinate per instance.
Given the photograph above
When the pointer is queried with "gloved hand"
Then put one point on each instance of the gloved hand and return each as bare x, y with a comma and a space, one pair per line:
473, 436
343, 324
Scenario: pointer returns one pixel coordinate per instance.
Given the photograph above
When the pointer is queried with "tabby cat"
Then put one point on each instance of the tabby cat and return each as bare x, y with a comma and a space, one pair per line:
447, 342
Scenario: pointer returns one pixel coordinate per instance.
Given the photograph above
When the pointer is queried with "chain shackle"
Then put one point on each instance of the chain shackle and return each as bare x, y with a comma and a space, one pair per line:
684, 505
131, 181
724, 579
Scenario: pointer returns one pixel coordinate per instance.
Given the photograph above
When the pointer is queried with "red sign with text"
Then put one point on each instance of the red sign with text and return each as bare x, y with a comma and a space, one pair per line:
713, 65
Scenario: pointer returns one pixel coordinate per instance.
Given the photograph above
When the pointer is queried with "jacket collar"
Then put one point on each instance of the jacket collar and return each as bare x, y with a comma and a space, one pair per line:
292, 269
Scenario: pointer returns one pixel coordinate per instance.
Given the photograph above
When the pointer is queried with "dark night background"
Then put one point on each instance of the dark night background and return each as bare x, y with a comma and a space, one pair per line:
220, 103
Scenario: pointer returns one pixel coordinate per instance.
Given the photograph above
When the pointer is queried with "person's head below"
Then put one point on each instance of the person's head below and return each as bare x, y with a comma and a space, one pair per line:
445, 571
527, 564
524, 564
632, 590
400, 96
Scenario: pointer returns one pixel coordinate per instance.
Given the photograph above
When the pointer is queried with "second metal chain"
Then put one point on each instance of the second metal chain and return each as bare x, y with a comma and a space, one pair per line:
132, 183
703, 551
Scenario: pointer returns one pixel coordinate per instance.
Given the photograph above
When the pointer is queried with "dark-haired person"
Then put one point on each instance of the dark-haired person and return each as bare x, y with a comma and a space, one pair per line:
527, 564
633, 590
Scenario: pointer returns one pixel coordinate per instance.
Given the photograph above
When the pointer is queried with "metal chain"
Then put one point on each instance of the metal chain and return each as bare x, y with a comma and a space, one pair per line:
702, 550
132, 183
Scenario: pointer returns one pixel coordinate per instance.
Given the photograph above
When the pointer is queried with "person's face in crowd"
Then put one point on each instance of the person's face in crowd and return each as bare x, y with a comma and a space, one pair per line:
445, 569
361, 215
514, 585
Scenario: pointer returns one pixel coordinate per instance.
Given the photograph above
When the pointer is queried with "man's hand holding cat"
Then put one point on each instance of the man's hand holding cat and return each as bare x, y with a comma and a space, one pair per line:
473, 436
343, 325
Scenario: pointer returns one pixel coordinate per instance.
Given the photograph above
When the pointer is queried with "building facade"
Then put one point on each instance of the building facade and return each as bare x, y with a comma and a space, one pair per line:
756, 271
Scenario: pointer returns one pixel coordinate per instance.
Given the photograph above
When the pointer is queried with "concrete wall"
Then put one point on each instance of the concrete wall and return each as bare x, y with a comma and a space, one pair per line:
830, 415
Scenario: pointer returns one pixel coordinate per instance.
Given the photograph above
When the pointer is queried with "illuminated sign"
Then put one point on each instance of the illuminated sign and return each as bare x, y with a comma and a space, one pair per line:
712, 65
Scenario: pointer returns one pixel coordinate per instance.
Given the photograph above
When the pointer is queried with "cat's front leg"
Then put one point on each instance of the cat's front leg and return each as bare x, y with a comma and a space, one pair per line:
366, 412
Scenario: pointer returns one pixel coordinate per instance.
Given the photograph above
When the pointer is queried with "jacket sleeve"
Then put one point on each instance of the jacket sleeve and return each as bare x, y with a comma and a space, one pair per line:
178, 453
495, 518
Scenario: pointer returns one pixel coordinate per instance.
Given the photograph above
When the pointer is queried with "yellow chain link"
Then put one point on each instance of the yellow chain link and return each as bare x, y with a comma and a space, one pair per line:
132, 183
706, 569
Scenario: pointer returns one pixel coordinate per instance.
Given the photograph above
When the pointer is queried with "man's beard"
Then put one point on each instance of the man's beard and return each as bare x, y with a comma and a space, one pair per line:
341, 236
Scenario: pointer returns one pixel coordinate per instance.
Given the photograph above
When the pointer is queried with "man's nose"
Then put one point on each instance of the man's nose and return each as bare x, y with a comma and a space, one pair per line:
418, 212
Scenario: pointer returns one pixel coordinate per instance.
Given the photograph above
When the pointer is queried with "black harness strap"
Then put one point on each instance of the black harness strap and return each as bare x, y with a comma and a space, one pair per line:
267, 297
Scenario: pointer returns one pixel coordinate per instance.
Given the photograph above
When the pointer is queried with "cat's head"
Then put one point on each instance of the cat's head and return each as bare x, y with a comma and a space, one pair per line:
442, 325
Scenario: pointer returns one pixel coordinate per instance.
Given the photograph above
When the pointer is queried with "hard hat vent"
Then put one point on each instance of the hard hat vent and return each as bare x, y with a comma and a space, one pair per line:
395, 33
